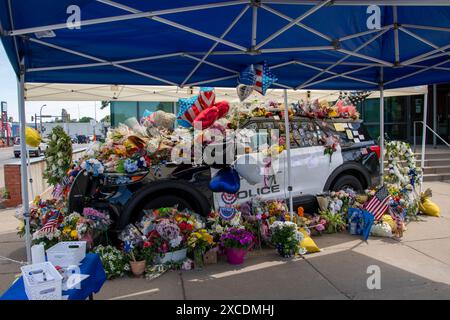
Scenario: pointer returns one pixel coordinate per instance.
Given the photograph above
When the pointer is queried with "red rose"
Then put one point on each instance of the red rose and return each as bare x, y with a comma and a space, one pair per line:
147, 244
164, 247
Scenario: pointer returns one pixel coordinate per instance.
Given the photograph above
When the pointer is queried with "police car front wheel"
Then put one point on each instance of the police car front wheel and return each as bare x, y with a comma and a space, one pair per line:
348, 182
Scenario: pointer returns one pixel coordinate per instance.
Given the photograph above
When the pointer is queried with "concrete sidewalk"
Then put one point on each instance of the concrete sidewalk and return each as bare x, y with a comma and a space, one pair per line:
417, 267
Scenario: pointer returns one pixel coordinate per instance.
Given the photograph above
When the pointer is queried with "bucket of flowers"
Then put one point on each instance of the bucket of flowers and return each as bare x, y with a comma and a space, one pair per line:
286, 238
136, 259
167, 239
199, 242
236, 242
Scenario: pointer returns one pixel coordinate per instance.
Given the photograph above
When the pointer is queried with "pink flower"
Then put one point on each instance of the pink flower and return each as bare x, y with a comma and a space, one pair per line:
320, 227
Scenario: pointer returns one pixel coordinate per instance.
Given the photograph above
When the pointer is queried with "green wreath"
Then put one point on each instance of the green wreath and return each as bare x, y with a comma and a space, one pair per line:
58, 156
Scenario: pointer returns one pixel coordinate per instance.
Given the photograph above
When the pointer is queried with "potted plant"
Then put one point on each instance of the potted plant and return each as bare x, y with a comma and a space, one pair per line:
236, 242
286, 238
198, 242
137, 261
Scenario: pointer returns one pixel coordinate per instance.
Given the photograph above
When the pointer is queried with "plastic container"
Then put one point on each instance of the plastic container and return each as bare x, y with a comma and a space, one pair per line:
176, 256
65, 254
42, 281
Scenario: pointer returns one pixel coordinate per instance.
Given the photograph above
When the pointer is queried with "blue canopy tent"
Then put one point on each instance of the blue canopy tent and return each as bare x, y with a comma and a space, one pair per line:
309, 44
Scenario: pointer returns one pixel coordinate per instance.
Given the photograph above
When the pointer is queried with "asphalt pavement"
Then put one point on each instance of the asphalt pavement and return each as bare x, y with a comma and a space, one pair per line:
415, 267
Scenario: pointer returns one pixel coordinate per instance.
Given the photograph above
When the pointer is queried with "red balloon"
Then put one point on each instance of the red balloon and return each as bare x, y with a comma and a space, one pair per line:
223, 107
207, 117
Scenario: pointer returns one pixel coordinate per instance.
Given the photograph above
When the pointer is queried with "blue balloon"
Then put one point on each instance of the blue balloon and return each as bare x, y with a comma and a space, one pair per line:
185, 104
248, 76
147, 113
226, 180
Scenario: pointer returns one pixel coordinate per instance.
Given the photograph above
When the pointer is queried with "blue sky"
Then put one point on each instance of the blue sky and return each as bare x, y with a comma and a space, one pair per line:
8, 93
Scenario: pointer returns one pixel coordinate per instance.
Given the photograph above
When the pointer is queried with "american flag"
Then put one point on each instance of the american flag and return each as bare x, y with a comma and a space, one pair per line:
354, 97
378, 205
51, 224
259, 69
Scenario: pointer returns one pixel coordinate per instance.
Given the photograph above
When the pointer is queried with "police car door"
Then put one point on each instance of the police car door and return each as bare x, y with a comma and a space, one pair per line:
310, 166
272, 182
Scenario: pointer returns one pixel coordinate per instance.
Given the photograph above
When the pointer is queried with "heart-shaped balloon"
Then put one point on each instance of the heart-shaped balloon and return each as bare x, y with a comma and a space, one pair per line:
207, 117
244, 91
206, 97
248, 168
223, 107
225, 180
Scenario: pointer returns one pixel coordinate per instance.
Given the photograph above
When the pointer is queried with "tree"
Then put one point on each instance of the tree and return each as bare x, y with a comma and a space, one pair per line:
85, 119
106, 119
105, 104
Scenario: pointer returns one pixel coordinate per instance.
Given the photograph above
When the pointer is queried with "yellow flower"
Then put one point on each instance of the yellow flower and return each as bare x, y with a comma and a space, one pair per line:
67, 230
74, 234
36, 200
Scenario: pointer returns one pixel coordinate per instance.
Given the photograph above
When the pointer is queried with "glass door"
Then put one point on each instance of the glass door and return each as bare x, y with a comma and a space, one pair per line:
443, 115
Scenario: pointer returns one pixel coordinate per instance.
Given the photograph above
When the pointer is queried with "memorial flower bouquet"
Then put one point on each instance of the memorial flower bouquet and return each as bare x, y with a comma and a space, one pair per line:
334, 222
286, 238
73, 227
170, 234
236, 242
198, 243
114, 261
100, 220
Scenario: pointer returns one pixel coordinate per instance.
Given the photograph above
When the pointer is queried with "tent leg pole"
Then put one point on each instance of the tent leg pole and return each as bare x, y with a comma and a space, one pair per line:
434, 113
424, 134
288, 148
381, 134
23, 163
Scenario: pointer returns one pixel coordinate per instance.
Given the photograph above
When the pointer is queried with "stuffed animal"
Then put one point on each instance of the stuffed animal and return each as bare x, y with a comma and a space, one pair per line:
158, 119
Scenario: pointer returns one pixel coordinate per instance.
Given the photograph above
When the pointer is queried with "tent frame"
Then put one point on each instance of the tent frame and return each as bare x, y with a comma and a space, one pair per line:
256, 48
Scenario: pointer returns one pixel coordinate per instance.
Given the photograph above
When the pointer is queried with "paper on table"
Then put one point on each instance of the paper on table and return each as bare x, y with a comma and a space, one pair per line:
339, 126
349, 134
73, 280
361, 137
357, 140
355, 133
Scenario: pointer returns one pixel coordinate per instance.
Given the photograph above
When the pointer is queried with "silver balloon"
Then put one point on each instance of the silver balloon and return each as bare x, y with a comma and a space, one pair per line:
244, 91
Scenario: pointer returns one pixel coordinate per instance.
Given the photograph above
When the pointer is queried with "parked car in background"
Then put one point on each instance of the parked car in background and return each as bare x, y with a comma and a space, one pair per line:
32, 151
82, 139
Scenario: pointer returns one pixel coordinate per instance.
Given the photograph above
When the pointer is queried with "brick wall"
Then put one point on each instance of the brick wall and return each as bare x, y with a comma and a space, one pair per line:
39, 186
13, 185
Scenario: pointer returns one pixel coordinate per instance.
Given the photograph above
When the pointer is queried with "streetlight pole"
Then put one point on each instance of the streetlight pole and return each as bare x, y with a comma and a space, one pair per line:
40, 116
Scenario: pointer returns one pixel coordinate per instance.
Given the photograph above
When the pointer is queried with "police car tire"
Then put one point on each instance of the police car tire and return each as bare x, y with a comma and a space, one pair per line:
164, 202
347, 181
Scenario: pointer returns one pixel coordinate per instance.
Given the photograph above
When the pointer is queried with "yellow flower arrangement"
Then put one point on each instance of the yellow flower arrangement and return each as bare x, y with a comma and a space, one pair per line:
200, 239
74, 234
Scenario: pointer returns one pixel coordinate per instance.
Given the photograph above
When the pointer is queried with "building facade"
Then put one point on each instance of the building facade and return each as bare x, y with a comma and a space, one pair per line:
123, 110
